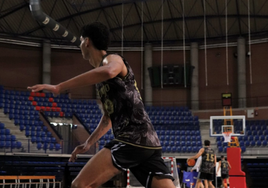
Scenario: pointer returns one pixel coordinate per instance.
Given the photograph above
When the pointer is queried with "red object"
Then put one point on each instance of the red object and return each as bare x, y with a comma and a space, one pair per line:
34, 103
42, 94
54, 104
237, 177
50, 99
58, 109
48, 108
37, 94
38, 108
53, 109
31, 98
43, 108
191, 162
33, 94
61, 114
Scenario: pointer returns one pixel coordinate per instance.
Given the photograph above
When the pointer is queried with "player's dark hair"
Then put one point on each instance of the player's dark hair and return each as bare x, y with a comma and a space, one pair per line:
98, 33
207, 143
222, 157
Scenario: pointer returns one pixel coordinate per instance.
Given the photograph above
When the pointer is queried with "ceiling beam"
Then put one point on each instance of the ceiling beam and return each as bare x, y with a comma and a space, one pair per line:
14, 10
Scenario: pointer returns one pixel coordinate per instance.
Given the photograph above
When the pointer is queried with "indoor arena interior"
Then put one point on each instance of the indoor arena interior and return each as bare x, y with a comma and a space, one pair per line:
133, 93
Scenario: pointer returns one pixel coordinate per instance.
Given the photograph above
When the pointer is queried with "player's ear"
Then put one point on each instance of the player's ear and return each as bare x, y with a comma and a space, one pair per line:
89, 42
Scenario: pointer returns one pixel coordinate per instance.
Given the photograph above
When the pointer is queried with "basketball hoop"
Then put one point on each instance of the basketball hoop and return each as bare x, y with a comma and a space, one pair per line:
227, 136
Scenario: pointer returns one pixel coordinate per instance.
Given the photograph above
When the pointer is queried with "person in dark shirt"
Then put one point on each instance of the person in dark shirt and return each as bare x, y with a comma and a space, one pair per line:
208, 164
225, 167
136, 145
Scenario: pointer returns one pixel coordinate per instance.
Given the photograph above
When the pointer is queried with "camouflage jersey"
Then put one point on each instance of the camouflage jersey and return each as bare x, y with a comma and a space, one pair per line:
122, 102
208, 159
224, 167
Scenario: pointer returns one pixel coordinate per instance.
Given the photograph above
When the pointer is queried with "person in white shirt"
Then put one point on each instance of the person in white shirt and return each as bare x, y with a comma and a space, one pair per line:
196, 167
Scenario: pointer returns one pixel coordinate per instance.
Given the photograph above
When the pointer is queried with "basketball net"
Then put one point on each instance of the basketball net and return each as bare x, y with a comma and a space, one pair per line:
227, 136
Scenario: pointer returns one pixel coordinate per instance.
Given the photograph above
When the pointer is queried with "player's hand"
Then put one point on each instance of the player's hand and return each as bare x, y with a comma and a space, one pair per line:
51, 88
79, 149
191, 170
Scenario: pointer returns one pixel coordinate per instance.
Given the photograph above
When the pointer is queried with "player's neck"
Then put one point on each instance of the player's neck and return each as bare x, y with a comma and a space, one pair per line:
97, 57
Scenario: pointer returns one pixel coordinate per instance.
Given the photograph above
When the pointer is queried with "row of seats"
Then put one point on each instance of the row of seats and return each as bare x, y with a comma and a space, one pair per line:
179, 138
10, 144
166, 108
45, 146
187, 132
247, 138
223, 149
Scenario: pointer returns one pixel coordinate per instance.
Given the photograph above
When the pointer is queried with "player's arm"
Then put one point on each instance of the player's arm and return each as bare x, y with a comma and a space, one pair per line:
215, 160
229, 165
113, 65
103, 127
219, 167
201, 151
196, 165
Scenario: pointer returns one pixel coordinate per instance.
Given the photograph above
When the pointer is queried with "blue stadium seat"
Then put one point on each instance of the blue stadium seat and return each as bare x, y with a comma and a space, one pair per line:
220, 149
168, 149
243, 148
166, 143
2, 144
173, 149
188, 143
258, 143
8, 144
13, 144
178, 149
171, 143
184, 149
2, 137
264, 143
252, 143
57, 147
194, 149
163, 149
219, 143
39, 145
189, 149
51, 146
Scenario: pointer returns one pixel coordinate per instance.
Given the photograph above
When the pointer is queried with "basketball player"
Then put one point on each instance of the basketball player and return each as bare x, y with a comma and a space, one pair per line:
208, 164
196, 167
225, 167
136, 145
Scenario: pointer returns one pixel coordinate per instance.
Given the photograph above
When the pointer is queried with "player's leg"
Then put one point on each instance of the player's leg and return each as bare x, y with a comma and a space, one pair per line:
201, 185
153, 171
210, 185
98, 170
198, 181
158, 182
206, 183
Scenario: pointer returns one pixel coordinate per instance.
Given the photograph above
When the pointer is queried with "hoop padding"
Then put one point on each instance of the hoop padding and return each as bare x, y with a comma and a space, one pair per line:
227, 136
169, 161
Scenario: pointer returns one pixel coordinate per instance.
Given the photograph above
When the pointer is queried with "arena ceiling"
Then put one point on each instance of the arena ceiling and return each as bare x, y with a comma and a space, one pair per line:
141, 20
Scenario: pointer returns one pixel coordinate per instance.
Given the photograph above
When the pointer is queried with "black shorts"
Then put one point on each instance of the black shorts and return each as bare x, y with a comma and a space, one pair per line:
143, 163
205, 176
224, 176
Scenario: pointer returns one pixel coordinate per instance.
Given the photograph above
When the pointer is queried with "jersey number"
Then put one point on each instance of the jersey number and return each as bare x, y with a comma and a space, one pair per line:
210, 157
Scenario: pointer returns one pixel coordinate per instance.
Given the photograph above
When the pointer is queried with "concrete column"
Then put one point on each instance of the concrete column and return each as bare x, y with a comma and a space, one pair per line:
148, 62
194, 83
241, 71
46, 72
